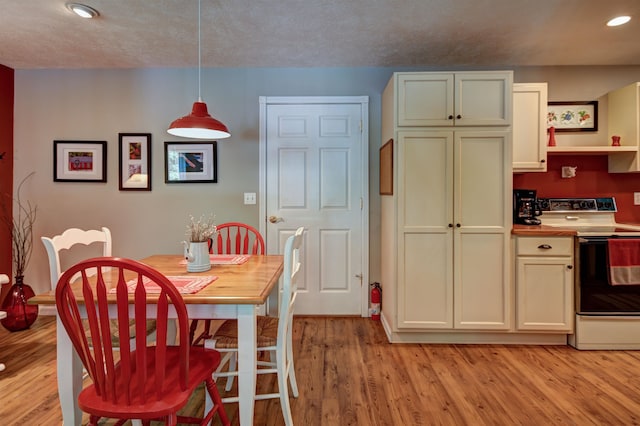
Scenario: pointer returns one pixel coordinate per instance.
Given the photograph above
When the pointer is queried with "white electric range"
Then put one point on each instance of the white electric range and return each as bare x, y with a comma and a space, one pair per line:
607, 316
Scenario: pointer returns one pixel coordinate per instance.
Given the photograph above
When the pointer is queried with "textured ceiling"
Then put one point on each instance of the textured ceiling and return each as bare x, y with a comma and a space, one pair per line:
318, 33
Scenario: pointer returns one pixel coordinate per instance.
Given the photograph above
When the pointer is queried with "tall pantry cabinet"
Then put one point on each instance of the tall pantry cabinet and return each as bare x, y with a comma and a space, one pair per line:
446, 227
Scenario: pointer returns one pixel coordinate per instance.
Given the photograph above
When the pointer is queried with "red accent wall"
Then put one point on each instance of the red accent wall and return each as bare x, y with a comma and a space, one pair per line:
592, 180
6, 163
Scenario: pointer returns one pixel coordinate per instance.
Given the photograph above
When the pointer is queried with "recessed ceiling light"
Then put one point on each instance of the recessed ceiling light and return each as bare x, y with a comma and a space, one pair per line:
619, 20
82, 10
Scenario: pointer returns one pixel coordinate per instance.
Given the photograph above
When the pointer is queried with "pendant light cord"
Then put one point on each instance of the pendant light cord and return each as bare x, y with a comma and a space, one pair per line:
199, 53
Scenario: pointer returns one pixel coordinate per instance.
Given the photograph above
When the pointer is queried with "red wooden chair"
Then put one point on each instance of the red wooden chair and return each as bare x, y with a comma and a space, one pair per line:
236, 238
151, 382
231, 238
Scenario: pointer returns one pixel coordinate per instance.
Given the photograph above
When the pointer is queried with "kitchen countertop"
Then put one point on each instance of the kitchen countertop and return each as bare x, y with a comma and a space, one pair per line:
542, 231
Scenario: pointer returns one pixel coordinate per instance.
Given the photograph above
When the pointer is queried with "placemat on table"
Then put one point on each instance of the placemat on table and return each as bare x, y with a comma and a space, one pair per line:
225, 259
185, 285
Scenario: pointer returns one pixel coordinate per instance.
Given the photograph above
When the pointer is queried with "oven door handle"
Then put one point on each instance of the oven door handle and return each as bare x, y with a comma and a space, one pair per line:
593, 239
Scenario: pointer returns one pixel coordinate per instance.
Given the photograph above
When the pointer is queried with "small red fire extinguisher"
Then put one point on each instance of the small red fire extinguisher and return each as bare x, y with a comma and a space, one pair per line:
376, 300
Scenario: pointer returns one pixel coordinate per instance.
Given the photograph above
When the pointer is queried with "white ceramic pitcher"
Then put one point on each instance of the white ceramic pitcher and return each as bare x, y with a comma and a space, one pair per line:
197, 255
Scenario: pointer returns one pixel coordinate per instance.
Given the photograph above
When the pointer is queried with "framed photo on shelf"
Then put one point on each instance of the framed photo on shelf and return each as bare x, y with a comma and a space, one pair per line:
134, 161
79, 161
573, 116
193, 162
386, 168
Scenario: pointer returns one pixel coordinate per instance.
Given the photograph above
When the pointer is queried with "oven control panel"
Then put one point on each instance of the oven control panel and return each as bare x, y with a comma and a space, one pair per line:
604, 204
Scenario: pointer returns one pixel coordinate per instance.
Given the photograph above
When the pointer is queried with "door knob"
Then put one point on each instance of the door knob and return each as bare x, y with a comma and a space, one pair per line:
275, 219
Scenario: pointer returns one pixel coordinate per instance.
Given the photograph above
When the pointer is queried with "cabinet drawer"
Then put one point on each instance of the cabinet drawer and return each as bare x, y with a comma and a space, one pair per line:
544, 246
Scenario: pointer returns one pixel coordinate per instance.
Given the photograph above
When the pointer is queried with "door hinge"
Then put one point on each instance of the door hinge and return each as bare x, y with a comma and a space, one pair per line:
361, 203
360, 125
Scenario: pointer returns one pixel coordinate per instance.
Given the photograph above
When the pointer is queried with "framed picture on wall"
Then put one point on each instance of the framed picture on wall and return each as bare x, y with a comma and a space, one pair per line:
134, 161
573, 116
190, 162
79, 161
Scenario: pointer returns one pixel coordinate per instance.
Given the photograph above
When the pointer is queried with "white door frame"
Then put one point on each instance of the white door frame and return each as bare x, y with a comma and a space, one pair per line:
262, 194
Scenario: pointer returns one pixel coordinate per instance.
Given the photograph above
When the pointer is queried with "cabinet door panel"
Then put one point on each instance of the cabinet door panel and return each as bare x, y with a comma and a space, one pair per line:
425, 99
481, 291
483, 99
544, 293
425, 295
480, 191
425, 183
529, 127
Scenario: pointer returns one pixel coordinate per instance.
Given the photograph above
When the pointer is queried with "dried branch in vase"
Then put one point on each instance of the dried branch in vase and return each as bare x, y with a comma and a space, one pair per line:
20, 226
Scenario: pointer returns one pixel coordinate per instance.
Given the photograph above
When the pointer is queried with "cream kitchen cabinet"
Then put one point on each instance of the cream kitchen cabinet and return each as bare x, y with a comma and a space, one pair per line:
454, 99
445, 229
529, 127
453, 229
544, 284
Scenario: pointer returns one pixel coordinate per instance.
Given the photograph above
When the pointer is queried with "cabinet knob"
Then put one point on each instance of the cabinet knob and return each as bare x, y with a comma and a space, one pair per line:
458, 225
458, 116
451, 225
545, 247
450, 117
543, 161
569, 266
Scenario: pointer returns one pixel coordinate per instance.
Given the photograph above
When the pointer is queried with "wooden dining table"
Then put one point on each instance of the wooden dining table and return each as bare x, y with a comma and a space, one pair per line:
236, 293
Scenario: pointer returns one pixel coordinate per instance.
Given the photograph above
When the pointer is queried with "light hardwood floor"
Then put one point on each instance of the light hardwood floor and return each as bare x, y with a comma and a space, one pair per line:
349, 375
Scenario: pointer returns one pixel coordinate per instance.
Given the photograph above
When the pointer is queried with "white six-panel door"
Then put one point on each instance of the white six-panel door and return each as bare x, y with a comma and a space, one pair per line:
315, 176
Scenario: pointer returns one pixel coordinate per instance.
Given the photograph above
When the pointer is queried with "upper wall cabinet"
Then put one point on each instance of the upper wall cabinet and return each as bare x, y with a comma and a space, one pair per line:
454, 99
624, 121
529, 127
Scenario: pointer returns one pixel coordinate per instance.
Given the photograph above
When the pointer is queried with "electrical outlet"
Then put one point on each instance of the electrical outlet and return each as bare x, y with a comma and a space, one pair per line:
249, 197
636, 198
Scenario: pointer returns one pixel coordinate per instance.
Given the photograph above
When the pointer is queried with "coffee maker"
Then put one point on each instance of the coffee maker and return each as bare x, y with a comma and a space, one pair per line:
525, 207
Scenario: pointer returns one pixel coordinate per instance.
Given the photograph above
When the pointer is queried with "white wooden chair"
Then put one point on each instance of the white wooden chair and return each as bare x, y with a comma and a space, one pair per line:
3, 280
274, 336
71, 238
67, 240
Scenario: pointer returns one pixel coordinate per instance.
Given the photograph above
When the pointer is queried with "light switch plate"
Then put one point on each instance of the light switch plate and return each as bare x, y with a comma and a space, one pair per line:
249, 197
636, 198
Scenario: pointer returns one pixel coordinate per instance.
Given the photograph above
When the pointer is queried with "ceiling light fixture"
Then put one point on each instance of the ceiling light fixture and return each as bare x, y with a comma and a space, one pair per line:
199, 124
619, 20
82, 10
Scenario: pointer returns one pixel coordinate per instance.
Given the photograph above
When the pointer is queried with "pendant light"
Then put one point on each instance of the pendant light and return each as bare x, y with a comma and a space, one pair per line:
199, 124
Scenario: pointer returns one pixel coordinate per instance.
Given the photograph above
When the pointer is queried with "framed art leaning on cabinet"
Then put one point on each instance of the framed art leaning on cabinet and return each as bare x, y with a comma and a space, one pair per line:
386, 168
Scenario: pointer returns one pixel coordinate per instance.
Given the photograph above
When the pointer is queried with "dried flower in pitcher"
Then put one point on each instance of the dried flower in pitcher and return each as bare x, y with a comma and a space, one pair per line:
202, 229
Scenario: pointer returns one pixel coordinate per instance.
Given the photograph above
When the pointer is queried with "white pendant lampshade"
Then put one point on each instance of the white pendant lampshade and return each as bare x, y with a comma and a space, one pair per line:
199, 124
